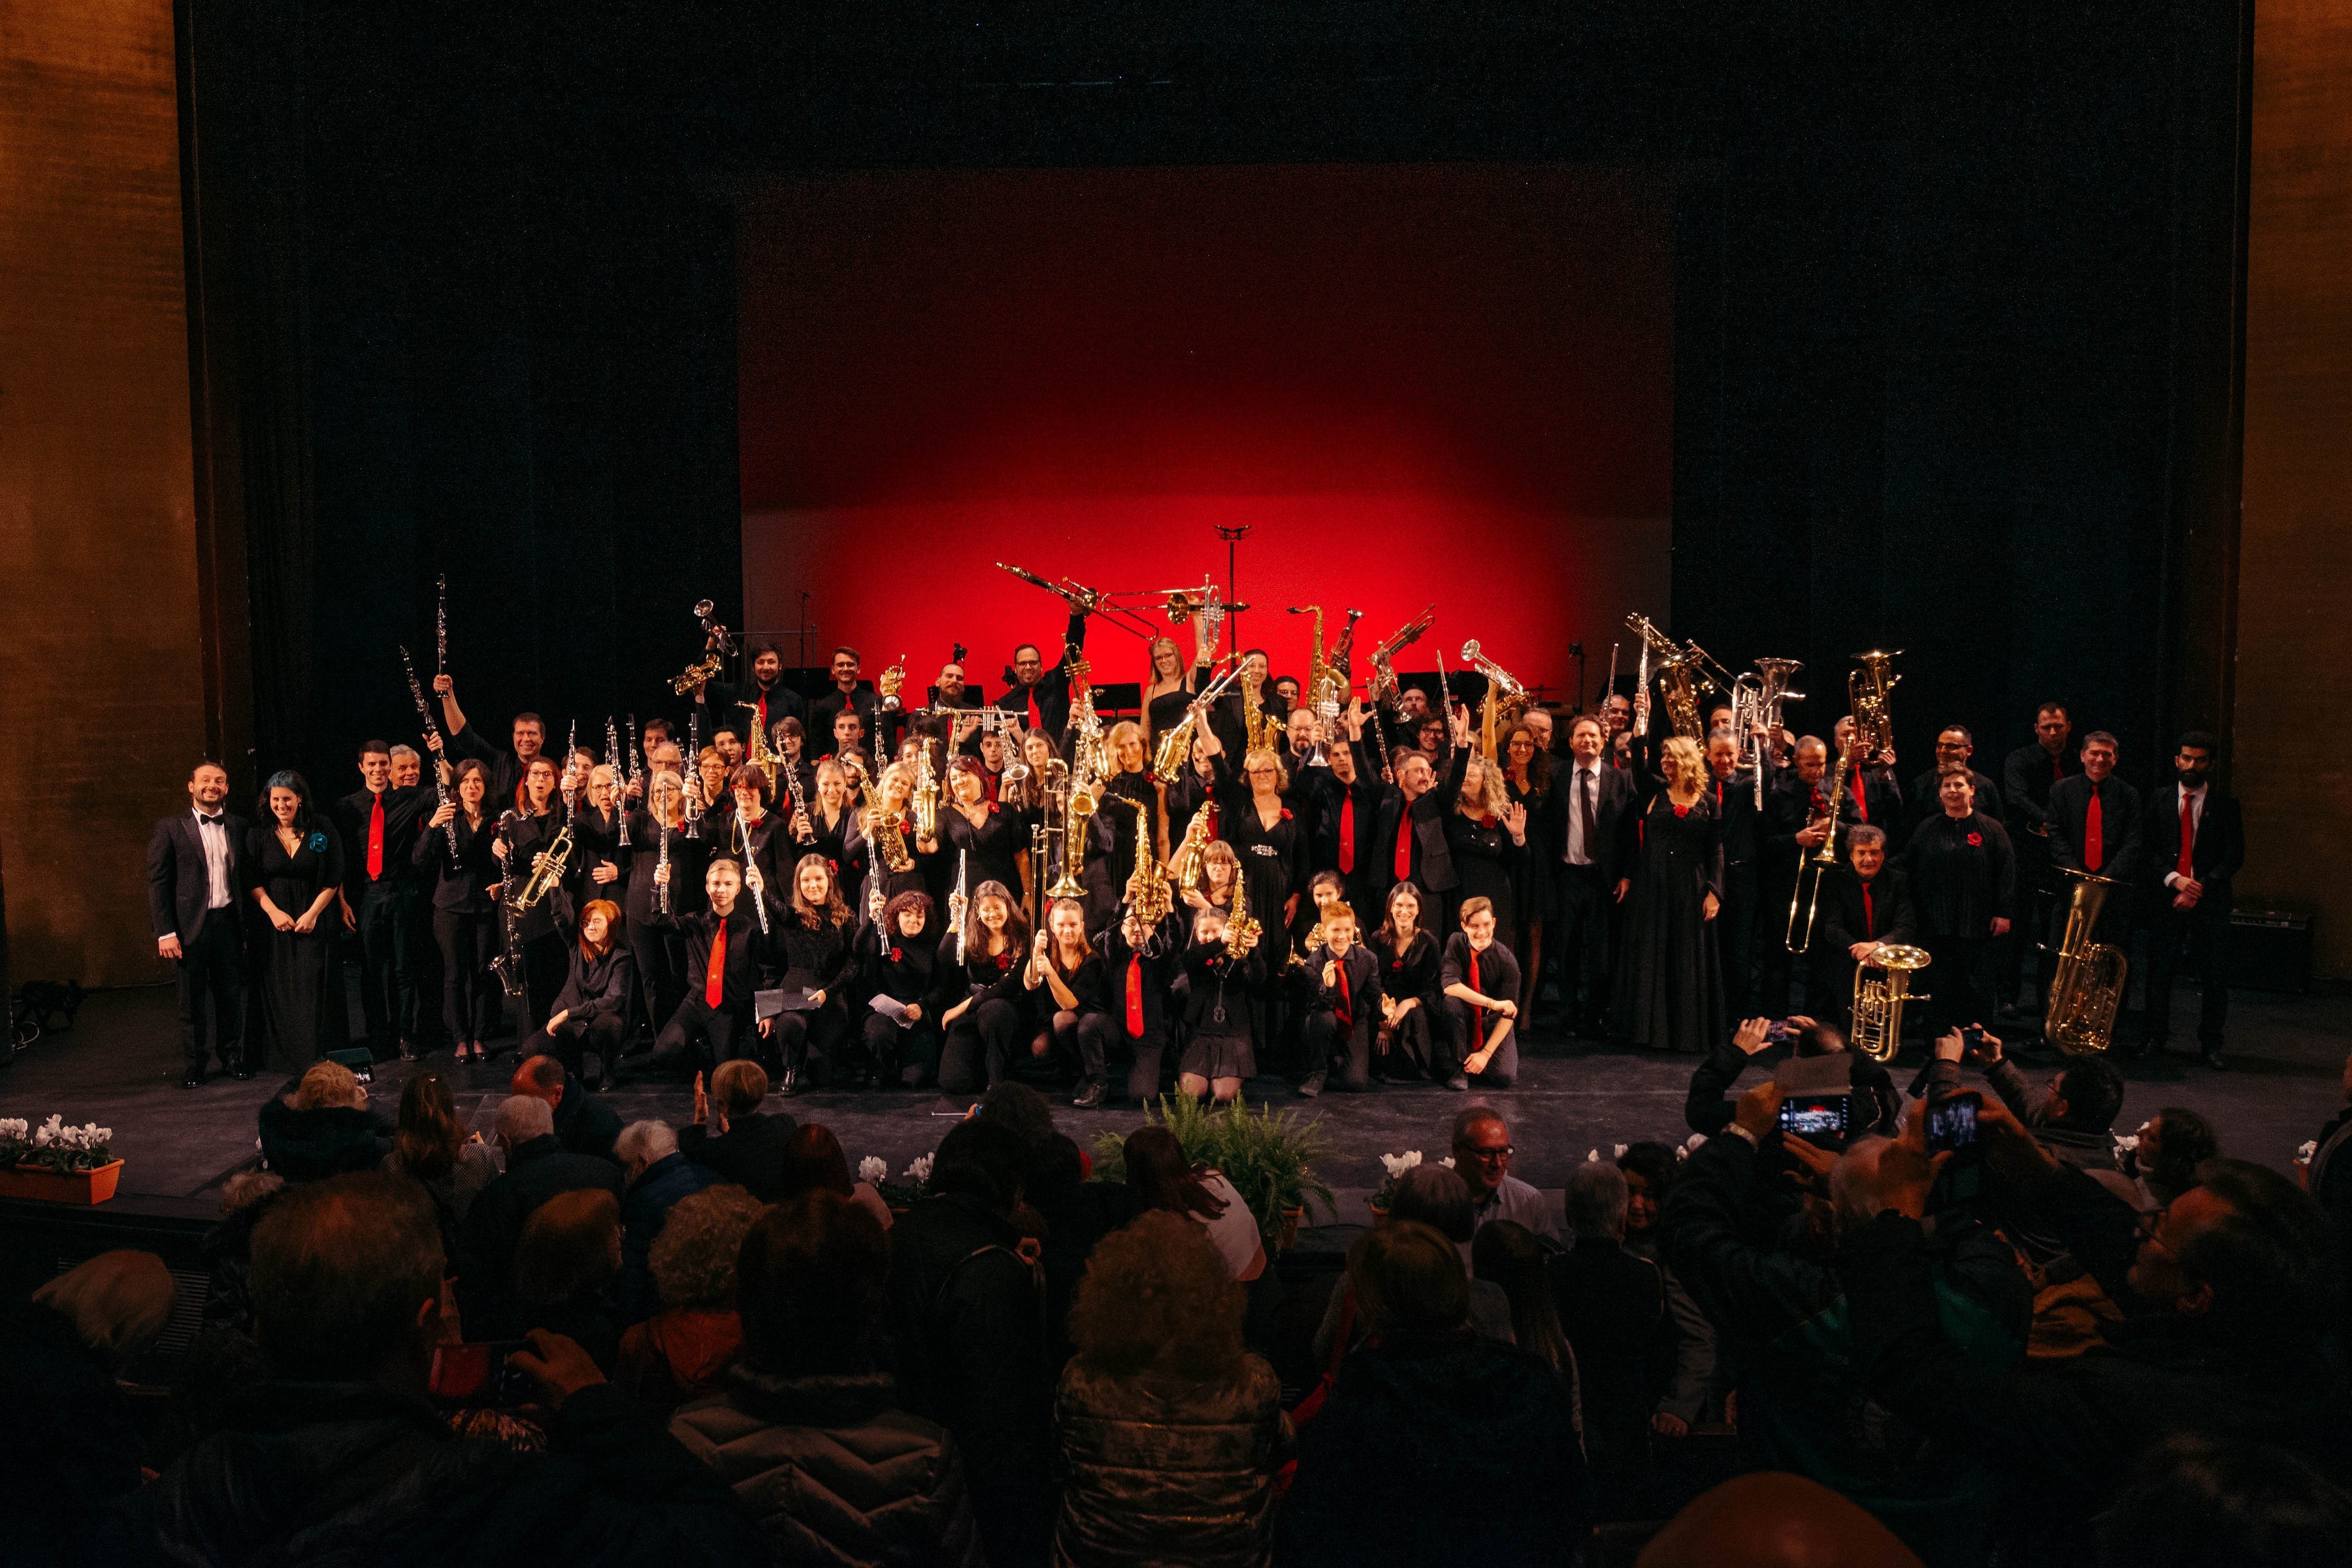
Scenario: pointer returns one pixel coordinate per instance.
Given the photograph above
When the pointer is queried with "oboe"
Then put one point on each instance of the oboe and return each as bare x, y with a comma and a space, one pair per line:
440, 790
691, 769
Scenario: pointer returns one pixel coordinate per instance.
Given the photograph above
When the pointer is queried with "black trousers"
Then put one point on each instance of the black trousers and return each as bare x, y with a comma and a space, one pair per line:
979, 1048
545, 966
426, 970
661, 972
1081, 1042
1735, 935
1773, 966
1463, 1038
2033, 916
569, 1040
1343, 1053
1408, 1047
810, 1044
387, 978
1959, 983
2203, 933
908, 1058
468, 990
1580, 934
212, 965
1145, 1053
704, 1036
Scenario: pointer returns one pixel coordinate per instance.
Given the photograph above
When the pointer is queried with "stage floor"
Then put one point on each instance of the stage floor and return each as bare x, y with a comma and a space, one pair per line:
119, 1066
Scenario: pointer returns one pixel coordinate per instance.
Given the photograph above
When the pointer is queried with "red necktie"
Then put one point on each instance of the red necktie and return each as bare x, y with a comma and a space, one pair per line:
1404, 843
375, 838
763, 717
714, 984
1861, 798
1036, 719
1477, 1014
2057, 768
2095, 849
1345, 1011
2187, 834
1348, 832
1869, 915
1718, 796
1135, 996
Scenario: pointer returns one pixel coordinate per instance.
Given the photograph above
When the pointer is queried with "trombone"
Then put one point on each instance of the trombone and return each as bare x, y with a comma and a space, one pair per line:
1819, 862
1090, 601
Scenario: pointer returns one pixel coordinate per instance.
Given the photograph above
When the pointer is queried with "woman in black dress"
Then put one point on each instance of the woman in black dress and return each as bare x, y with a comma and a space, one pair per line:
1270, 839
831, 815
1963, 885
1404, 1044
1217, 1057
995, 1012
1487, 834
916, 969
1527, 780
597, 859
814, 942
1128, 793
1170, 688
977, 832
466, 888
1669, 982
295, 863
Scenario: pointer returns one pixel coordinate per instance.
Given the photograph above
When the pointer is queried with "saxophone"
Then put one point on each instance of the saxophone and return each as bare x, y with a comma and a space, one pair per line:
1185, 867
1257, 734
882, 831
1147, 885
925, 804
1242, 931
1175, 746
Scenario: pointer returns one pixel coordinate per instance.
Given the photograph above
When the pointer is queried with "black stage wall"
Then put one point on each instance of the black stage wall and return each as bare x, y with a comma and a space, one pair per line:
1955, 305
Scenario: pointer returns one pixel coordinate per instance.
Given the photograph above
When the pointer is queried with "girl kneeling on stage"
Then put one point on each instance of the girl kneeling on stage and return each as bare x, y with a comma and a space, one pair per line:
1217, 1055
813, 944
914, 981
1406, 1044
1066, 979
724, 957
594, 1010
995, 1011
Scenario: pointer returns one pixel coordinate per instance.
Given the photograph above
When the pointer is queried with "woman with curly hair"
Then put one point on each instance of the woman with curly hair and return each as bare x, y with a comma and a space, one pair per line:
1486, 833
1170, 1430
294, 862
684, 1350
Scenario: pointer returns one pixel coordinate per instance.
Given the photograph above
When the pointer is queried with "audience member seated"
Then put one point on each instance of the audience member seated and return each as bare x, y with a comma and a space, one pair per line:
659, 1177
1508, 1256
684, 1350
538, 1168
1877, 1107
78, 1447
322, 1126
432, 1148
1781, 1317
2232, 1299
228, 1248
810, 1432
2193, 1501
1434, 1197
1072, 1213
342, 1461
565, 1268
813, 1161
1493, 1473
969, 1332
733, 1136
1482, 1157
1612, 1307
1158, 1177
2072, 1113
583, 1123
1170, 1430
1693, 1393
2329, 1173
1773, 1520
2172, 1144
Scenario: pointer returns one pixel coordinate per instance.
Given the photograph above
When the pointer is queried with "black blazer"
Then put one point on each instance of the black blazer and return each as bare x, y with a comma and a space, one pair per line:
1612, 804
750, 1153
1052, 687
1891, 916
2119, 825
2027, 776
2219, 853
179, 889
1429, 814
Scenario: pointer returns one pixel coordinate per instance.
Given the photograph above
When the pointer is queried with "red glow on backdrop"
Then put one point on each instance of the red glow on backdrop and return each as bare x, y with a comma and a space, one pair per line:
1414, 382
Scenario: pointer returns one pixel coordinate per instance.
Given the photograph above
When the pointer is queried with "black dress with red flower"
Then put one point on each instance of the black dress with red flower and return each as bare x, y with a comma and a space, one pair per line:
990, 850
1273, 859
1668, 992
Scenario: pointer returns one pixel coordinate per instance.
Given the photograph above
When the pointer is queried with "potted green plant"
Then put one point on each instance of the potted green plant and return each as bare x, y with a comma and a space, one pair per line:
57, 1163
1269, 1156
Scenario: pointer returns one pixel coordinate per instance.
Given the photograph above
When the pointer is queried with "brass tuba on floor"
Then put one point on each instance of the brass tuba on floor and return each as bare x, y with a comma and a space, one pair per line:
1881, 983
2079, 1016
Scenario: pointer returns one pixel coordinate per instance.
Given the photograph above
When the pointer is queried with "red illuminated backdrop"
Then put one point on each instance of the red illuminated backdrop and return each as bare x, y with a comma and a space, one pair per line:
1416, 382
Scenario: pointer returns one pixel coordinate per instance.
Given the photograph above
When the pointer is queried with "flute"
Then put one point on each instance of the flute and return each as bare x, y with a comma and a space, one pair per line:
440, 789
751, 874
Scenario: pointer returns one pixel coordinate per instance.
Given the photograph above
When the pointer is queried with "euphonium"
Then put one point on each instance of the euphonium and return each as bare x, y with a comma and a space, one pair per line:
1184, 866
1870, 687
1241, 931
549, 869
2079, 1016
1880, 985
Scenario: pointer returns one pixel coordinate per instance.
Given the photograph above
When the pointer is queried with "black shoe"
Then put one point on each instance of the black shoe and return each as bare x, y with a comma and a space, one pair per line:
243, 1075
791, 1083
408, 1050
2215, 1059
193, 1080
1090, 1097
1459, 1083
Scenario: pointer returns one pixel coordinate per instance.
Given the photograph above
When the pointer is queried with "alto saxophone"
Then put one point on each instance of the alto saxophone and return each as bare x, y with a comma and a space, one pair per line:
1241, 930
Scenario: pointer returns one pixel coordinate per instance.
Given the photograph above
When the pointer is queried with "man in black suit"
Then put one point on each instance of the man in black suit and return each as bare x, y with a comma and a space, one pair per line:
2026, 779
1953, 744
1041, 691
760, 702
379, 823
2094, 827
1590, 803
1864, 903
195, 867
1740, 831
2196, 843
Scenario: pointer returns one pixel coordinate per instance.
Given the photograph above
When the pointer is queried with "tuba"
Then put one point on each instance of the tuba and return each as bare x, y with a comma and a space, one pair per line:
2080, 1018
1756, 698
1880, 985
1870, 689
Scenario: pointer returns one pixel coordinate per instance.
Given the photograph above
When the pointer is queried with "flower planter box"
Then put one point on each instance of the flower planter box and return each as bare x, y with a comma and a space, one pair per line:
44, 1185
1285, 1236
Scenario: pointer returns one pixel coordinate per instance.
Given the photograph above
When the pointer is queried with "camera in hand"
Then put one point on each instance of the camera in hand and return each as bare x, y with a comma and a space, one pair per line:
1952, 1123
1973, 1036
477, 1375
1815, 1116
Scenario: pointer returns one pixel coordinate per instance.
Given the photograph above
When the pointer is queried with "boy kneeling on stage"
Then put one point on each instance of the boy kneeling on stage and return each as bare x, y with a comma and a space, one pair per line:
1347, 1006
1480, 979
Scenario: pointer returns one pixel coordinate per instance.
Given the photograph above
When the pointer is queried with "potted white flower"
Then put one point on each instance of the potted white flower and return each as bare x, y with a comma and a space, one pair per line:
57, 1163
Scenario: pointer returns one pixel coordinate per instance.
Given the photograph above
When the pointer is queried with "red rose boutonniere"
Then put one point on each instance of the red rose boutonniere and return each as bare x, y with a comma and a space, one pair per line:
1285, 814
1976, 840
896, 956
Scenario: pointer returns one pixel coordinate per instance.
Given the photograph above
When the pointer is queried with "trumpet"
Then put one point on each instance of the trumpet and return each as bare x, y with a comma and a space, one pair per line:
1881, 983
546, 870
1175, 747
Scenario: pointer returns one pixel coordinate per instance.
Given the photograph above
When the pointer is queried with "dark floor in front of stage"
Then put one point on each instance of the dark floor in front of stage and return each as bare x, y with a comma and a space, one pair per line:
119, 1066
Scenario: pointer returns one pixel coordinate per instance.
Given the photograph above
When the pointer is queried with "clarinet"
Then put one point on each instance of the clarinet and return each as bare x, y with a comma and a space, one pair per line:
508, 965
791, 772
759, 895
570, 789
690, 767
440, 790
874, 872
963, 926
661, 861
613, 761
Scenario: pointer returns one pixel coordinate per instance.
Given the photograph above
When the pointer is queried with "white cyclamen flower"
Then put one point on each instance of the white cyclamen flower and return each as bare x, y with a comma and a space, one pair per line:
872, 1171
1397, 1165
1594, 1155
1621, 1151
1449, 1162
2302, 1155
14, 1128
921, 1169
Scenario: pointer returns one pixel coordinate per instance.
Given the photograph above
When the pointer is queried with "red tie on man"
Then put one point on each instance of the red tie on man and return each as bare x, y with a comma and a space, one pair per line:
1869, 915
1135, 996
375, 838
2095, 847
1404, 843
1861, 797
763, 717
1036, 719
714, 986
1348, 834
1345, 1011
2188, 836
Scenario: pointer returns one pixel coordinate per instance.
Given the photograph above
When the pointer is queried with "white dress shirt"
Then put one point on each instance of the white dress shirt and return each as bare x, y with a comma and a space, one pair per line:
211, 832
2196, 799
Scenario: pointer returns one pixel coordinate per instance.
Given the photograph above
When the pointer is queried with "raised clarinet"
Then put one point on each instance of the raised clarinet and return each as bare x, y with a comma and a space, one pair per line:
441, 626
612, 760
440, 789
690, 772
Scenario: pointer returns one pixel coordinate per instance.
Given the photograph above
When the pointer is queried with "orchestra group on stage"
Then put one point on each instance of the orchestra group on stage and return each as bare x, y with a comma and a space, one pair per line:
1341, 881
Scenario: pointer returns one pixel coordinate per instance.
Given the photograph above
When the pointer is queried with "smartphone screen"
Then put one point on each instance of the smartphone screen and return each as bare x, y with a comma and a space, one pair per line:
1952, 1123
476, 1373
1815, 1116
1973, 1038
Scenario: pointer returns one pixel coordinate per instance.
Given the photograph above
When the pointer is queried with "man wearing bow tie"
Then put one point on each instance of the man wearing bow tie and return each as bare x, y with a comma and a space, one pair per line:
194, 869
